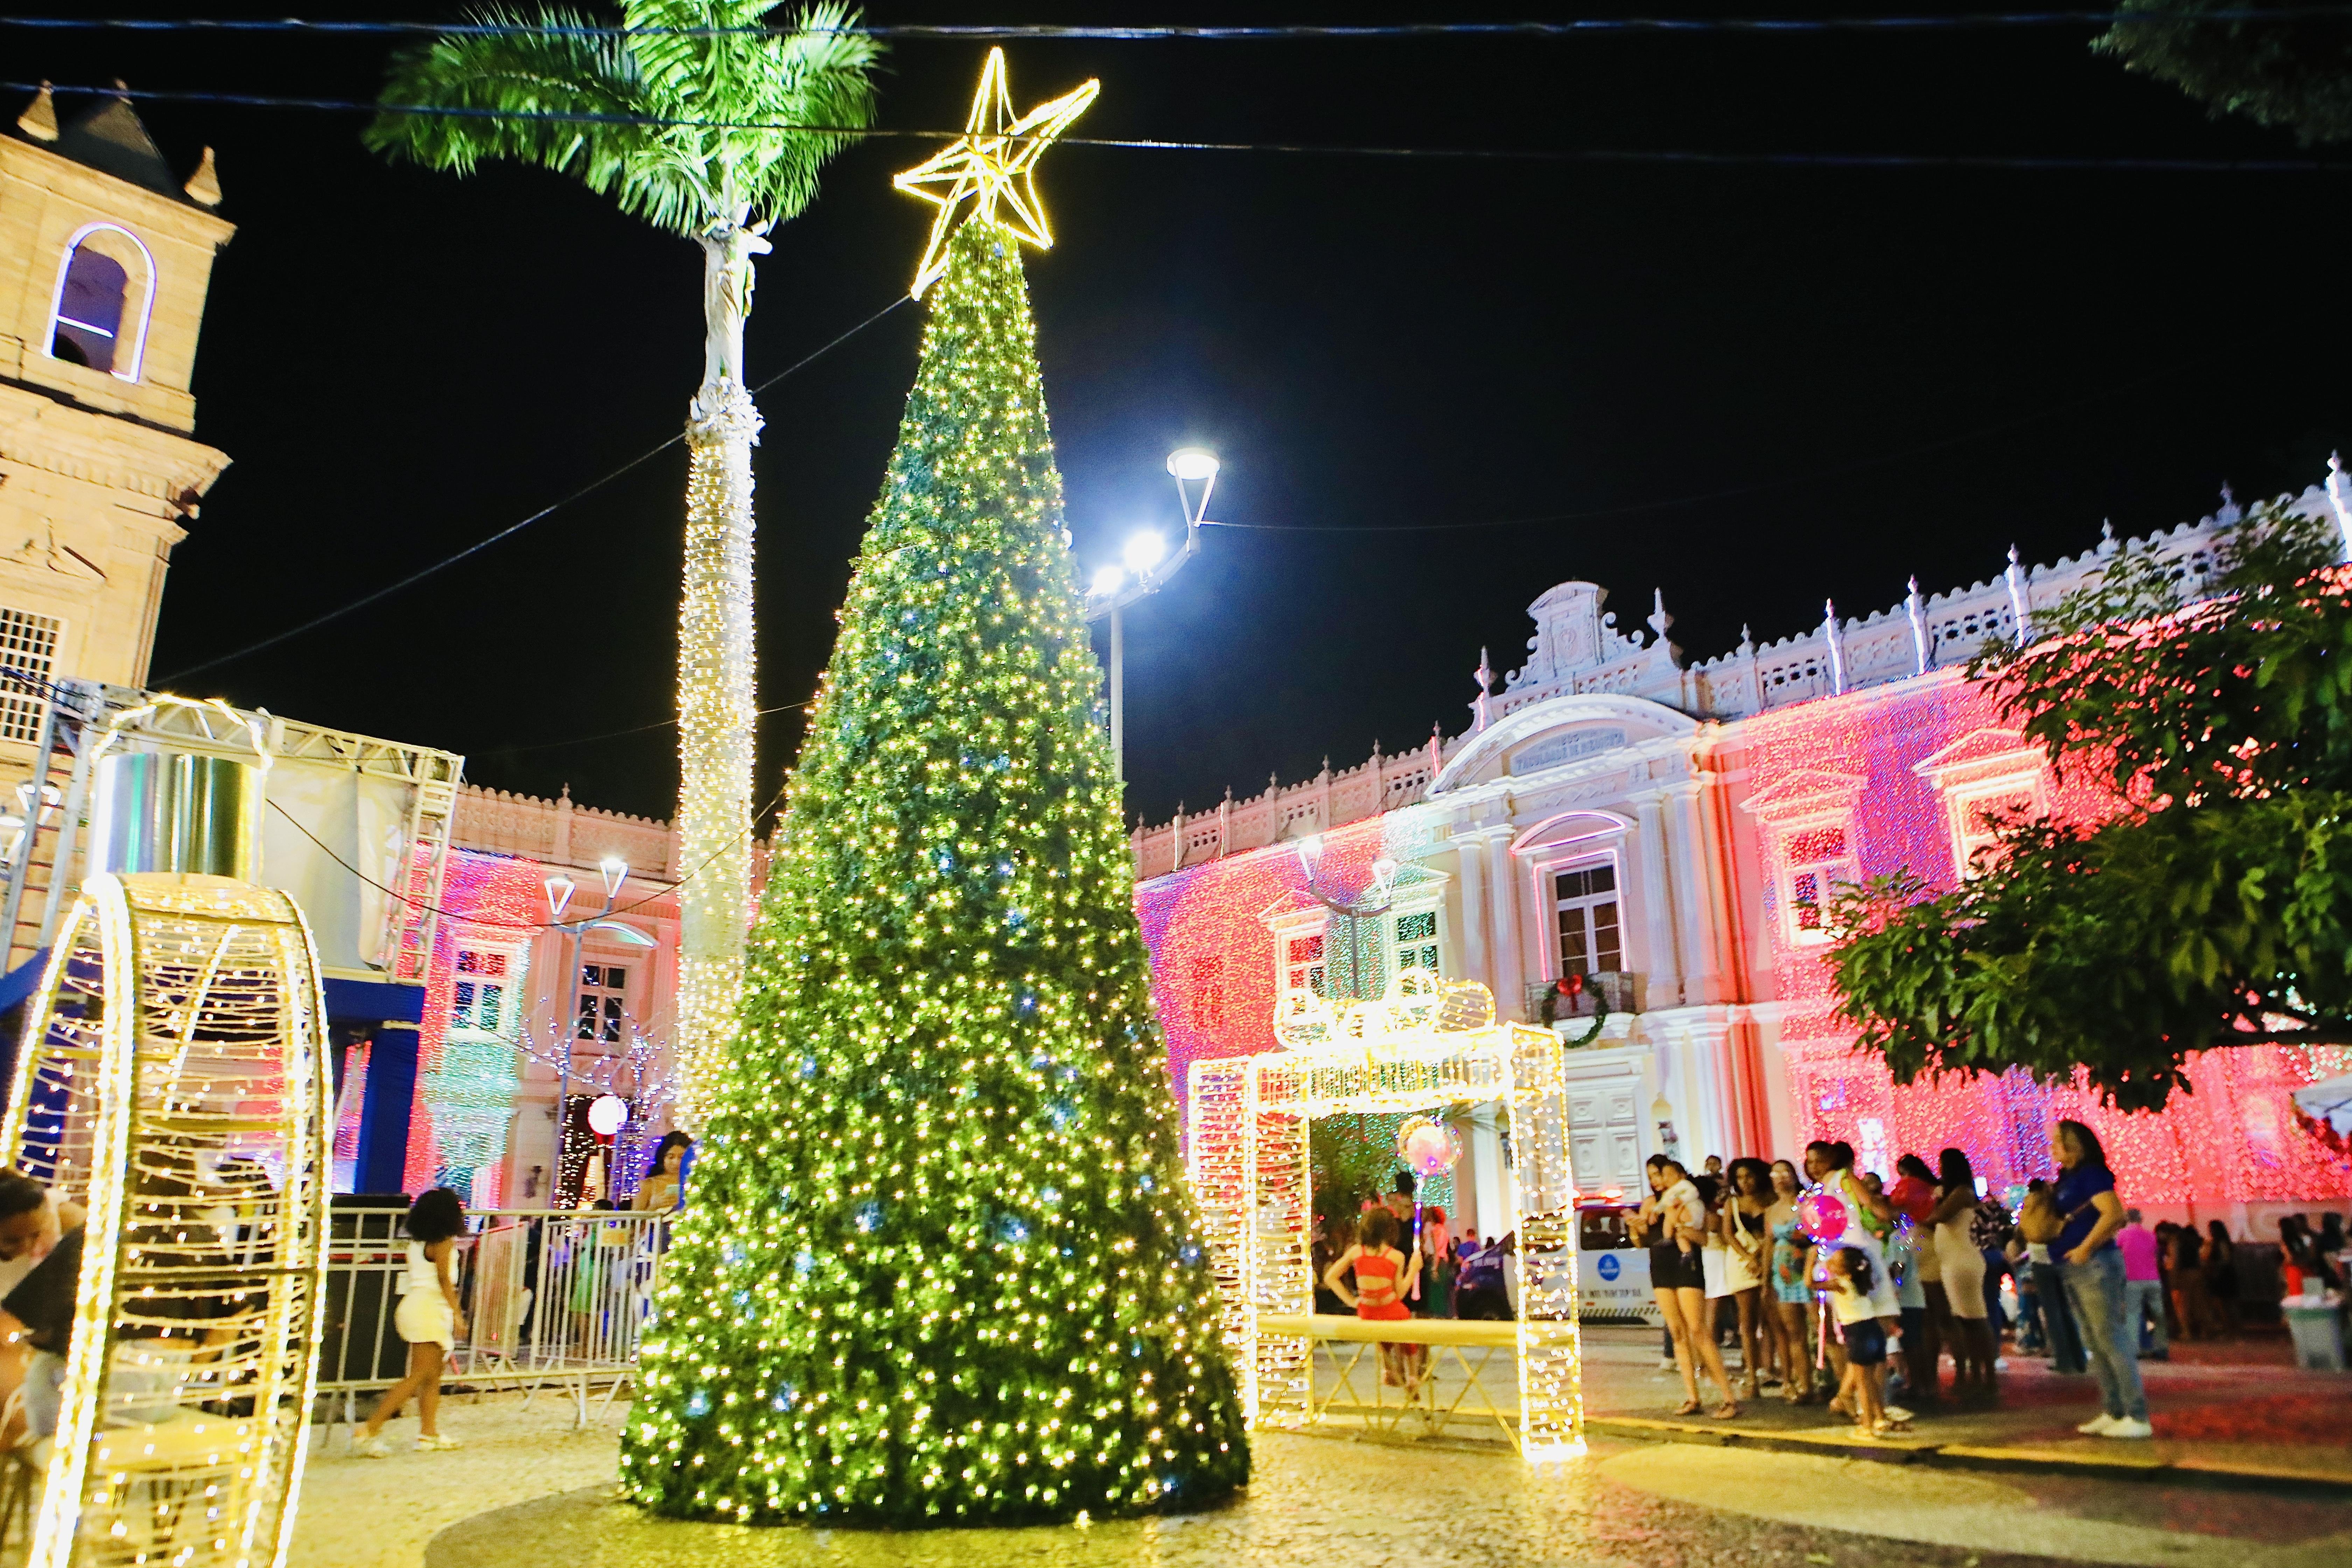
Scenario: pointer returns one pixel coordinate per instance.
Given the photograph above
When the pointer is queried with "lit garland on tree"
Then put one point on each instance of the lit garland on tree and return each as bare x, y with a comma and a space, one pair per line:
941, 1262
715, 728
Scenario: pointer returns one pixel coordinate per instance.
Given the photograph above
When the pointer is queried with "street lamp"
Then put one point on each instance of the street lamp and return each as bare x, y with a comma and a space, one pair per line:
1147, 569
560, 888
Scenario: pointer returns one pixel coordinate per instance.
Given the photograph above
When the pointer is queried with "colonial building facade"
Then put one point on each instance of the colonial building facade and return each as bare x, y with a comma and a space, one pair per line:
106, 253
461, 1014
1669, 834
526, 1024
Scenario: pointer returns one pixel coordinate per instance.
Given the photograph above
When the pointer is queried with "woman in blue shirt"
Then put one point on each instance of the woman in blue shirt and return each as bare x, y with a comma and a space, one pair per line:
2091, 1270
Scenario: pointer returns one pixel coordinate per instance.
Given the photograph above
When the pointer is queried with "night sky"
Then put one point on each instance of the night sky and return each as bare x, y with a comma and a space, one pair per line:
1891, 371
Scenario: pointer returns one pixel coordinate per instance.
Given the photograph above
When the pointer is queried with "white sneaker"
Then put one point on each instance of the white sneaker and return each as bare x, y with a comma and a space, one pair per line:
2098, 1425
374, 1447
1896, 1413
2129, 1428
434, 1443
2001, 1364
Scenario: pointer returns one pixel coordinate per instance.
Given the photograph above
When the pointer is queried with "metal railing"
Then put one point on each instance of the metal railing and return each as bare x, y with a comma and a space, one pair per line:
1618, 990
551, 1299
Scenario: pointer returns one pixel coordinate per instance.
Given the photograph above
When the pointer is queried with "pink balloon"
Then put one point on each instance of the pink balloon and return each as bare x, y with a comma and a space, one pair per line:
1821, 1217
1430, 1149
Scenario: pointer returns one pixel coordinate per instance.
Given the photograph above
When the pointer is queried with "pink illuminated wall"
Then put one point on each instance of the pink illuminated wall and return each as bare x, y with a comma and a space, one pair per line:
2235, 1141
1212, 970
493, 899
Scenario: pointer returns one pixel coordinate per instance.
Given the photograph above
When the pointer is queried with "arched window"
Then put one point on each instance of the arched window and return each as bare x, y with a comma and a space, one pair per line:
104, 290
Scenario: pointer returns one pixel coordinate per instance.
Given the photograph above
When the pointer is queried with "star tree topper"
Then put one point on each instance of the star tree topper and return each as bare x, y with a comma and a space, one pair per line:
993, 162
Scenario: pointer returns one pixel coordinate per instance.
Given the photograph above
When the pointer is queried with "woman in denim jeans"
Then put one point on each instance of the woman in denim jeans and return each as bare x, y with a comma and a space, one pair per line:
2090, 1269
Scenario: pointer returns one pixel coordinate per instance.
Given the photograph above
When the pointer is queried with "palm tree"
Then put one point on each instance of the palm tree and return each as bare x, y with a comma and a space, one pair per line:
700, 119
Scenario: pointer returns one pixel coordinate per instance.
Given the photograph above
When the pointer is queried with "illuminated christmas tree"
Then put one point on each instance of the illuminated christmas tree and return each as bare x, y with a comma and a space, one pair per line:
940, 1264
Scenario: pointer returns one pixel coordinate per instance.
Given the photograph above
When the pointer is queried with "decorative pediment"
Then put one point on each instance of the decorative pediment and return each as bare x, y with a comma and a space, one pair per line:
1980, 753
1808, 792
1574, 733
1290, 910
1570, 827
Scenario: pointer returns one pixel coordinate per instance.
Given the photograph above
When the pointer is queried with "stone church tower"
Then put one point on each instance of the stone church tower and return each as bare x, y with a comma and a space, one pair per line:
105, 256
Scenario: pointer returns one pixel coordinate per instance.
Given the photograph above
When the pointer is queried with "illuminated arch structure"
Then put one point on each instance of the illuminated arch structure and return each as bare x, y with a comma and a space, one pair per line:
1427, 1044
173, 1081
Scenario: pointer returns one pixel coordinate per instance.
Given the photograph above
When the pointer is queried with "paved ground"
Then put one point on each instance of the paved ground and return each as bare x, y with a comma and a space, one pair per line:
2238, 1408
528, 1489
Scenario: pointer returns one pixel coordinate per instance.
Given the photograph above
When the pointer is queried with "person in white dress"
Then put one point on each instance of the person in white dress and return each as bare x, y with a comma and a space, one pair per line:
428, 1318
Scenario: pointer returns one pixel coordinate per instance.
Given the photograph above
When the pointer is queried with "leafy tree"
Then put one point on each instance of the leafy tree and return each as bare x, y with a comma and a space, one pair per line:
942, 1264
697, 116
2293, 70
2213, 905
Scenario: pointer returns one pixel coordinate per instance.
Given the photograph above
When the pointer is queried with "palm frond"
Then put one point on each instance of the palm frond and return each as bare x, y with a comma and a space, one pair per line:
726, 145
506, 80
752, 92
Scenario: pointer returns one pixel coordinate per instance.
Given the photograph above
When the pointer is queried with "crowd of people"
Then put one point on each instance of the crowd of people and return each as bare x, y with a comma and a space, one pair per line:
1847, 1291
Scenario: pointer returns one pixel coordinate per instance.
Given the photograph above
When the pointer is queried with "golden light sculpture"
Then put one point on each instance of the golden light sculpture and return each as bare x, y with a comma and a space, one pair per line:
1425, 1044
992, 164
173, 1080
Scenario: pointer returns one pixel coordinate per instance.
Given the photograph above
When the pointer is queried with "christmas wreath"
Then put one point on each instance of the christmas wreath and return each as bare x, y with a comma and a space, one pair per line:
1564, 992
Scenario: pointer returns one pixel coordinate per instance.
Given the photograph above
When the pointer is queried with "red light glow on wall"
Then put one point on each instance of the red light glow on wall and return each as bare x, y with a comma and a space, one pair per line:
492, 887
2235, 1140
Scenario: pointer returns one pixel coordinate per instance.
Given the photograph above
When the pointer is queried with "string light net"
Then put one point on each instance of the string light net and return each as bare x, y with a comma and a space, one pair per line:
942, 1264
1213, 961
172, 1083
467, 1066
1880, 781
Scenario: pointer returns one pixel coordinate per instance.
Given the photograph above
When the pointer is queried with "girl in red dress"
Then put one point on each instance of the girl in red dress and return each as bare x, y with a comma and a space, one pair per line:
1382, 1276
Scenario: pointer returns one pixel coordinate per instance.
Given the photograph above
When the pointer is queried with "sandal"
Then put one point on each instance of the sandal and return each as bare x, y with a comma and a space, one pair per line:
1688, 1407
1728, 1411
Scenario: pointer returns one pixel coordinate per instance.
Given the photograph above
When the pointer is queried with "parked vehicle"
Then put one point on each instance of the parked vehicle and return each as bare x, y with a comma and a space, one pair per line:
1612, 1274
1481, 1290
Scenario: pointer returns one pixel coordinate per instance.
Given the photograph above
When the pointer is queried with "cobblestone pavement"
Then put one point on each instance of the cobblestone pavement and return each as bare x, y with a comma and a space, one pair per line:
530, 1489
2242, 1406
1316, 1501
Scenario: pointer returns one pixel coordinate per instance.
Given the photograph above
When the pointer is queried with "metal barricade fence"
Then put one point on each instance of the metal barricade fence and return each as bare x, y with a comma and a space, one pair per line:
551, 1300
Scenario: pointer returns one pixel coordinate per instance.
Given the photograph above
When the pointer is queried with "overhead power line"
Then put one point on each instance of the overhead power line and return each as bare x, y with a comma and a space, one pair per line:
513, 527
1275, 32
474, 917
1599, 155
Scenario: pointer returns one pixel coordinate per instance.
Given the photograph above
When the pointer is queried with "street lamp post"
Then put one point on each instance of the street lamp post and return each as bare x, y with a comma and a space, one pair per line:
1146, 569
560, 888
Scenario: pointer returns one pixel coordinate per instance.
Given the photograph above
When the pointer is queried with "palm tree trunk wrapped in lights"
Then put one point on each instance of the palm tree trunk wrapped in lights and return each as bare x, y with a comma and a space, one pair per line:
687, 116
714, 730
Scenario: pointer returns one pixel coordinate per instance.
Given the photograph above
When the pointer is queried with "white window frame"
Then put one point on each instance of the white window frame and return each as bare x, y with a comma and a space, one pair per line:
1288, 974
608, 1017
1433, 946
1555, 964
1983, 767
20, 710
1832, 872
144, 285
1966, 803
510, 984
